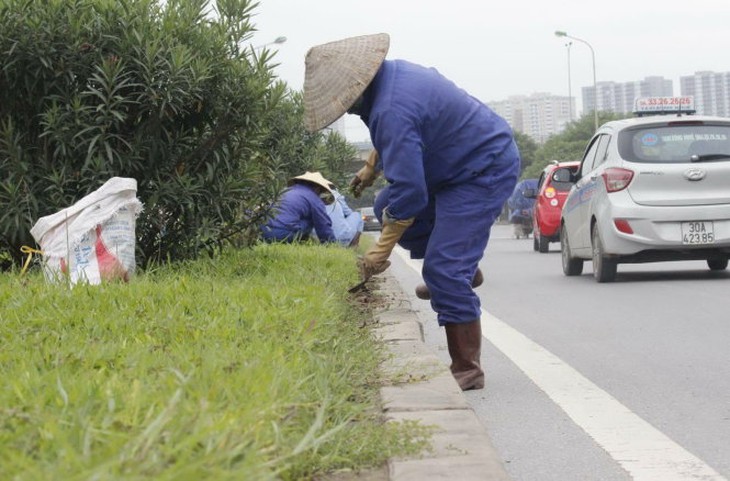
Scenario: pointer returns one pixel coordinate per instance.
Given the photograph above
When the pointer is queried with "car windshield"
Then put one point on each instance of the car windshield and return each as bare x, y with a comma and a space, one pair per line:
683, 142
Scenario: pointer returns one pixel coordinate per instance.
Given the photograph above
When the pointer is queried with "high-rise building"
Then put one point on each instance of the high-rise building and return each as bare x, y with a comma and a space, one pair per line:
711, 92
539, 115
619, 97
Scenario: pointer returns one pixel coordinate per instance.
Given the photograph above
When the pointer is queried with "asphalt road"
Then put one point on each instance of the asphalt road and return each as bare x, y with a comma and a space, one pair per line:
588, 381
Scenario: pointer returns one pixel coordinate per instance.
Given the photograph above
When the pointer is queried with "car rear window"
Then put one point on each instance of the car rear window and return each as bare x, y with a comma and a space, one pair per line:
676, 143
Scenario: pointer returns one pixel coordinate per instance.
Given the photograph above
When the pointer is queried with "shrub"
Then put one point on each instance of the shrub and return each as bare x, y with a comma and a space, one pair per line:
169, 93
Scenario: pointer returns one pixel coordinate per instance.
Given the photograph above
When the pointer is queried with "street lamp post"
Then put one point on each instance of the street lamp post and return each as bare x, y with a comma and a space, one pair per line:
559, 33
570, 89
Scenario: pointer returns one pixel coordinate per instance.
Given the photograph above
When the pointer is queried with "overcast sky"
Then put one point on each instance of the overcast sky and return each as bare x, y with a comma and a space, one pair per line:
498, 49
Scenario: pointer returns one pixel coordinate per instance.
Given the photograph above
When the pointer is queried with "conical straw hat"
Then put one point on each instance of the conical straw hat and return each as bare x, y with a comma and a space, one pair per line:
315, 178
337, 73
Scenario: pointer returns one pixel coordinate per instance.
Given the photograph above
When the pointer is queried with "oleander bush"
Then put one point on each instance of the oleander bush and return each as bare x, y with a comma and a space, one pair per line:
170, 93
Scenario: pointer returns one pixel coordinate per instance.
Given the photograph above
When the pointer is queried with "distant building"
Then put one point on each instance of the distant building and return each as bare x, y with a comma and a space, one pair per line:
619, 97
711, 92
539, 115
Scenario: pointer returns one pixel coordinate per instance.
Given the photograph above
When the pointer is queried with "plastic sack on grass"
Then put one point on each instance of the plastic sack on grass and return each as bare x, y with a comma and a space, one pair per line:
94, 239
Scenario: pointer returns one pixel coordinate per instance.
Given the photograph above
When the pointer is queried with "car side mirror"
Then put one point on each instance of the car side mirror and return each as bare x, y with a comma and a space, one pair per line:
529, 193
563, 174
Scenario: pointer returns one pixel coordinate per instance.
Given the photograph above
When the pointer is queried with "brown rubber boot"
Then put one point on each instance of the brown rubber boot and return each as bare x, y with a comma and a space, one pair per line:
465, 348
422, 291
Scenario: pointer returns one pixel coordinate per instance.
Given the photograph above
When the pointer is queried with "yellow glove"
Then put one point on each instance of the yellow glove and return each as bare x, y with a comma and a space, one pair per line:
375, 259
365, 176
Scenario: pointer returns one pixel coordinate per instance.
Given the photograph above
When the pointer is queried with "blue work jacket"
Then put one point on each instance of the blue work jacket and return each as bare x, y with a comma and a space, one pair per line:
518, 204
430, 134
298, 211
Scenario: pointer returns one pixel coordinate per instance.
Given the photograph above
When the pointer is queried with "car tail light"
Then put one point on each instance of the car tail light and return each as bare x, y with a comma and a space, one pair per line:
623, 226
617, 179
550, 192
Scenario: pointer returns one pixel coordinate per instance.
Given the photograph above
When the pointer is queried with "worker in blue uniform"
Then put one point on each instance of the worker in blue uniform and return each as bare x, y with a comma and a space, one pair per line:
450, 163
301, 210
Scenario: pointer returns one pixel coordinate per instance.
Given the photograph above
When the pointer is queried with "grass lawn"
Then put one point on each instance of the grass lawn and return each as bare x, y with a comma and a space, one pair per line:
255, 365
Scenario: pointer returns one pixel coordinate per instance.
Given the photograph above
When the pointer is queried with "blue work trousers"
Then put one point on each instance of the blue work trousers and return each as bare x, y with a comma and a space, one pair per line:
451, 234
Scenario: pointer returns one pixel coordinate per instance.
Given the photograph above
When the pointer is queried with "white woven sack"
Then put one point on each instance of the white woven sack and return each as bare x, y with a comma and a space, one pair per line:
94, 239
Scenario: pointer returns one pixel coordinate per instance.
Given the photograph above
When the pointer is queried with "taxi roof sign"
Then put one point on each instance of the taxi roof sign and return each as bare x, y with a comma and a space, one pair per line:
664, 105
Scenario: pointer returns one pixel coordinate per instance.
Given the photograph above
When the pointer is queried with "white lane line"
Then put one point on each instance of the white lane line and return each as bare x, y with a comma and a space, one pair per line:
642, 450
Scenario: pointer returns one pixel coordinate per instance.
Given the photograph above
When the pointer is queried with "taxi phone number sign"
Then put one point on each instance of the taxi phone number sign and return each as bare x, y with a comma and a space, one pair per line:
664, 104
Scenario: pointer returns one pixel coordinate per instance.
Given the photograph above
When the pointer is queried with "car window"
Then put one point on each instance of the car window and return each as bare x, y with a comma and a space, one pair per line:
675, 143
595, 155
604, 142
587, 164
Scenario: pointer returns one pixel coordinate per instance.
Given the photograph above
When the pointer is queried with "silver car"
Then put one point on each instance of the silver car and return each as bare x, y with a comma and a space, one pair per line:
653, 188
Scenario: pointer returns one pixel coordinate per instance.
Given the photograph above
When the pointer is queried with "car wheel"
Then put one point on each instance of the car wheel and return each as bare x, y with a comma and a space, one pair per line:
543, 245
535, 247
604, 268
571, 265
717, 264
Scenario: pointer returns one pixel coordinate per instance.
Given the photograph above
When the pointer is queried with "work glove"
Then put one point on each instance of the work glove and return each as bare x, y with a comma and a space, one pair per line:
365, 176
375, 259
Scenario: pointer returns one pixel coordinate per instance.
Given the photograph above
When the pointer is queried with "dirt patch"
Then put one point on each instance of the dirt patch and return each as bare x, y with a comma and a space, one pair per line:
370, 297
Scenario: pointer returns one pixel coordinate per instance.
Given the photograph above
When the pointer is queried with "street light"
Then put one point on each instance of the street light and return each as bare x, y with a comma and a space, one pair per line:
277, 41
570, 88
559, 33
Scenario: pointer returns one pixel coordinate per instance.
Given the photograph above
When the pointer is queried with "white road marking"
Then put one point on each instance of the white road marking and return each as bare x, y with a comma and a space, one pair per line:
643, 451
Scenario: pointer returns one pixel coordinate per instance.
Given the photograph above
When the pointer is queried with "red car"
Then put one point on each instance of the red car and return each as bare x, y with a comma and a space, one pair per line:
549, 199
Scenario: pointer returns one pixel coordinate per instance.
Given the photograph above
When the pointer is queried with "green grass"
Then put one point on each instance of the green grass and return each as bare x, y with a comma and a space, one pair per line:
254, 365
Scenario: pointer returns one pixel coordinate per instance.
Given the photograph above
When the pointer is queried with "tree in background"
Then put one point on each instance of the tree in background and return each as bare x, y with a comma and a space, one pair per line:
528, 149
295, 150
169, 93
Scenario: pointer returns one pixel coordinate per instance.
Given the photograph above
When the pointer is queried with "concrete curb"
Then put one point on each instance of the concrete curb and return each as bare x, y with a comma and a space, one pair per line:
425, 391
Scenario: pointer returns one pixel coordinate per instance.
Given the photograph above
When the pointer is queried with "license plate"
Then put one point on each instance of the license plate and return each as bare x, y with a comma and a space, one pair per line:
697, 233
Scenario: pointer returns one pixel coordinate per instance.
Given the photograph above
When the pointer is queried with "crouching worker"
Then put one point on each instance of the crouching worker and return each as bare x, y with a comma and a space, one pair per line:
450, 162
346, 223
301, 210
